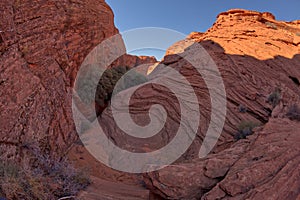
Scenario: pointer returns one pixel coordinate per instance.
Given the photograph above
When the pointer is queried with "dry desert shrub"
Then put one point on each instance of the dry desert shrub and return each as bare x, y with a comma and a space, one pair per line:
46, 178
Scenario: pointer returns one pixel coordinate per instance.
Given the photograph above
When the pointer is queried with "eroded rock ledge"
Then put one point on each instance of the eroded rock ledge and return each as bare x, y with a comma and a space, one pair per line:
265, 165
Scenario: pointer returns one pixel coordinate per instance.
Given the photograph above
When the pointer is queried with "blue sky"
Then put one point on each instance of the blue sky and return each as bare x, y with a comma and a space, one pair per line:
190, 15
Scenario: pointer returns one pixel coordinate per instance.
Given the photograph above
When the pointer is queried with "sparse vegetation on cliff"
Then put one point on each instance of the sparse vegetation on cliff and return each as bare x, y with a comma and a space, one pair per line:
274, 97
245, 129
294, 112
271, 25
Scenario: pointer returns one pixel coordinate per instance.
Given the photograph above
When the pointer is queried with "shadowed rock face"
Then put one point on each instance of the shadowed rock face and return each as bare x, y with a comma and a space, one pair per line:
42, 44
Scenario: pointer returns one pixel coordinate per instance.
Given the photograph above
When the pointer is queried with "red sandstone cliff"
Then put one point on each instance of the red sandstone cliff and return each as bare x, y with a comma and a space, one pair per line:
42, 45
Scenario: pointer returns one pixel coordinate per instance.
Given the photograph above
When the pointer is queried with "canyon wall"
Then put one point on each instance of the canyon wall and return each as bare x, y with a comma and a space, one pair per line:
42, 45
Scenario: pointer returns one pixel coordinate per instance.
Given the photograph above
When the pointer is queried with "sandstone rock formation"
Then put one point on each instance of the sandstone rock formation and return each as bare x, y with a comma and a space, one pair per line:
255, 54
42, 45
133, 61
258, 58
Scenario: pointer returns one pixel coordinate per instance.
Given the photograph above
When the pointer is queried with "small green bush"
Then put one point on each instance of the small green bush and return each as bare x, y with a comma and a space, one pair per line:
294, 112
271, 25
8, 169
274, 97
245, 129
298, 33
